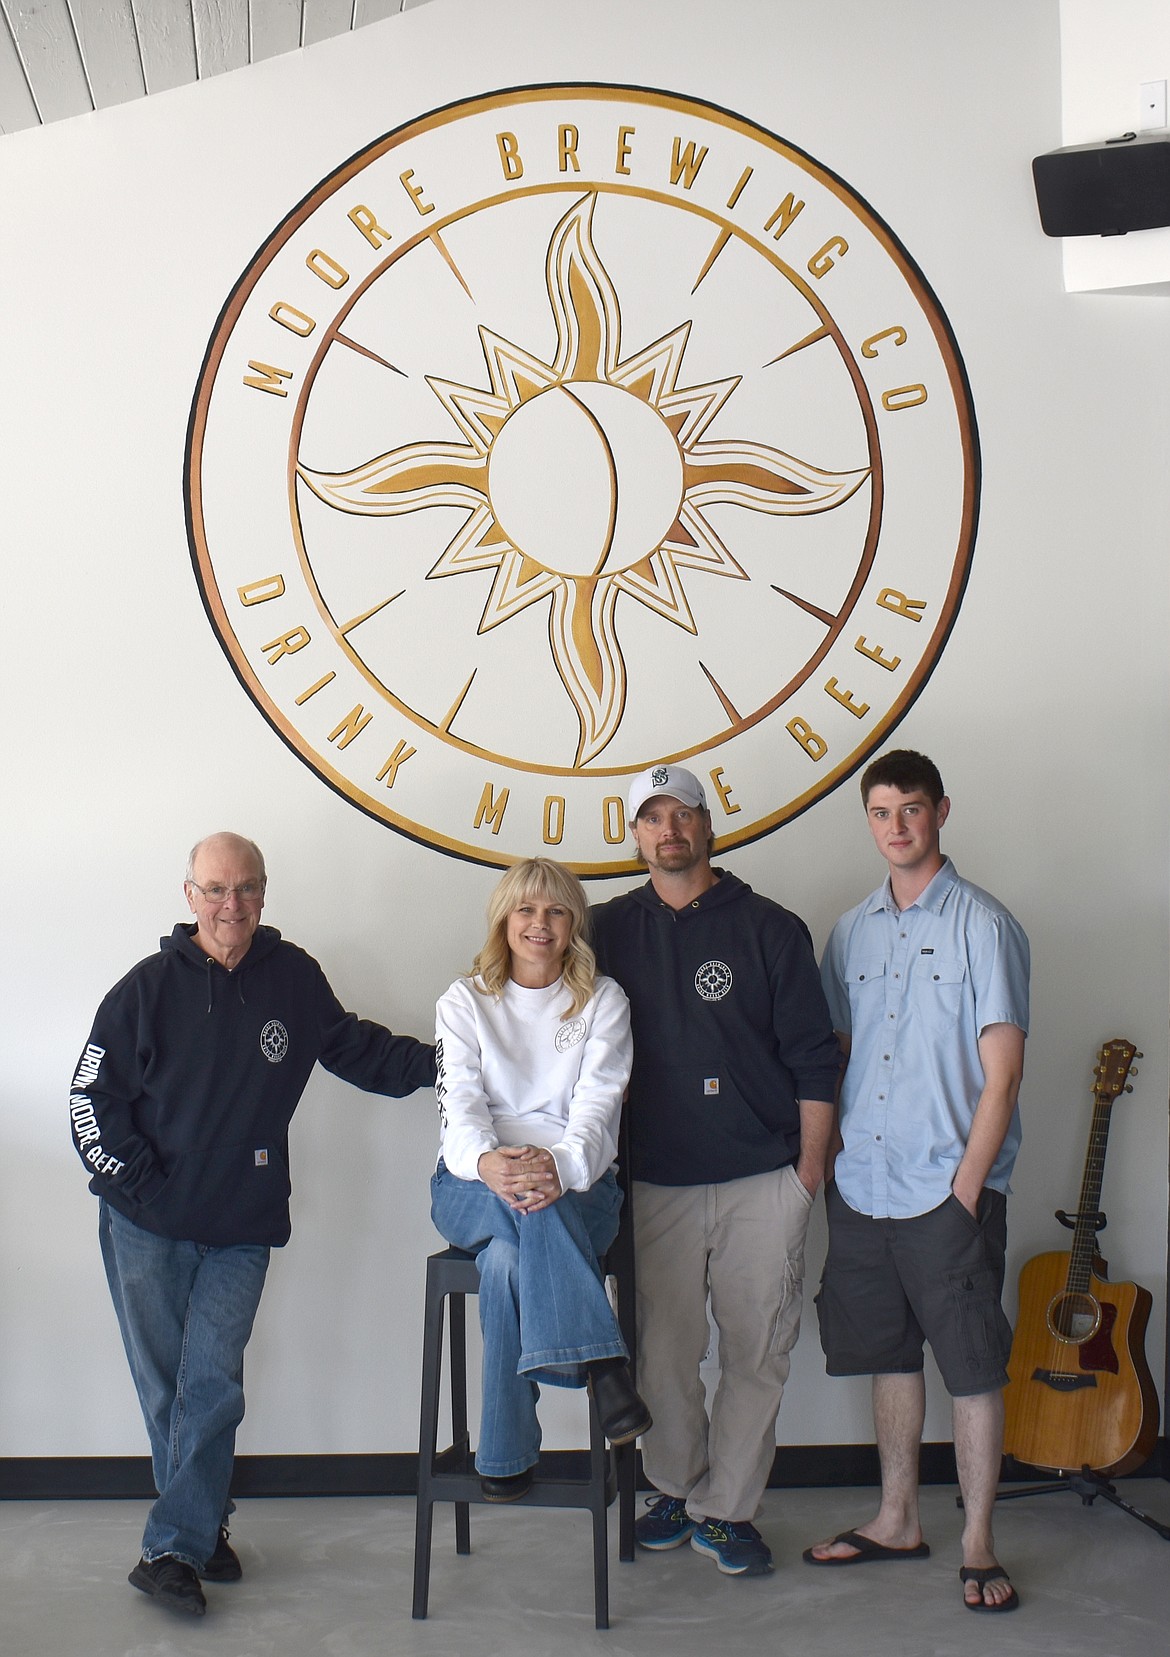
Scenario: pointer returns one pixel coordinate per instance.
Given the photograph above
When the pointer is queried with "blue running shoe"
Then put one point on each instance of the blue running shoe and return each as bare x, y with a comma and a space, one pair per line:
738, 1549
667, 1525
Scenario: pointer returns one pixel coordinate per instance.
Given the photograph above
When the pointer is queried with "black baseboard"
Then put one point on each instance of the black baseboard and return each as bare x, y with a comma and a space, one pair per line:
811, 1466
829, 1466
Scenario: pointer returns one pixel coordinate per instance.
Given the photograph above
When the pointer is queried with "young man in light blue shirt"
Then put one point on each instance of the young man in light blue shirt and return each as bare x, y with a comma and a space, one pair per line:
927, 982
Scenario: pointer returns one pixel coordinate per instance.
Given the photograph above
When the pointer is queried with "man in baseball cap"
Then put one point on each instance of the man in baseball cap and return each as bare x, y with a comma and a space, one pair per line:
674, 781
735, 1068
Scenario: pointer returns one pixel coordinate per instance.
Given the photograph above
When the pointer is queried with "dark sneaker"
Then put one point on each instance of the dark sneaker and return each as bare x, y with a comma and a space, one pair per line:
508, 1489
172, 1583
667, 1525
738, 1549
224, 1564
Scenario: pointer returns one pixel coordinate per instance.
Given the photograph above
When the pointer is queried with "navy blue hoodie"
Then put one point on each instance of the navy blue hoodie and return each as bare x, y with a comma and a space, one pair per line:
182, 1098
731, 1029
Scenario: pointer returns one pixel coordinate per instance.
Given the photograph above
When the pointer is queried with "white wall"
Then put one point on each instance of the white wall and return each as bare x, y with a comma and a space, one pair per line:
127, 735
1107, 54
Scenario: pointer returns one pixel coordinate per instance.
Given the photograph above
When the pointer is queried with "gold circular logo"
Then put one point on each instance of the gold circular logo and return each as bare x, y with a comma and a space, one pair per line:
569, 430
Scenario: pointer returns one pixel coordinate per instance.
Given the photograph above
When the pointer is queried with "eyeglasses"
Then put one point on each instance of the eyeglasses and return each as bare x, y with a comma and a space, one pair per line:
249, 891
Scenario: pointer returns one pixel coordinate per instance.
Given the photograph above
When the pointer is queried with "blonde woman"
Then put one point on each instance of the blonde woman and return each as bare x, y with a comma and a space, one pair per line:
534, 1055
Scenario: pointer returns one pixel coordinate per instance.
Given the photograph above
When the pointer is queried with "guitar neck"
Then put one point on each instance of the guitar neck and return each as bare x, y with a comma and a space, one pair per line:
1114, 1063
1084, 1243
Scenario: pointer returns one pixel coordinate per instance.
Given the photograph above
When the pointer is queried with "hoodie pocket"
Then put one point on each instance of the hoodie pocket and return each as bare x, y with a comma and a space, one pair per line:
227, 1194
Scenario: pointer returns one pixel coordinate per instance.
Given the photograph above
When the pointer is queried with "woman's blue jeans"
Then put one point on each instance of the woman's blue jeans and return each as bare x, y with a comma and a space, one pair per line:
542, 1304
186, 1311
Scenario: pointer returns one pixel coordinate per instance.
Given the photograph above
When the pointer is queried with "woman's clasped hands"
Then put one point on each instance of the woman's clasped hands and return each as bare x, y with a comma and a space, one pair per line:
523, 1176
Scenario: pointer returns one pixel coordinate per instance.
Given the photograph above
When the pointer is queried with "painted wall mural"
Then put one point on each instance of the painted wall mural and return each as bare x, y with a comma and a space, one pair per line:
569, 429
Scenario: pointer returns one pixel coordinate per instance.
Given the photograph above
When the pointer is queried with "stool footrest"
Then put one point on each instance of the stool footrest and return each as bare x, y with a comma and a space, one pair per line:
462, 1485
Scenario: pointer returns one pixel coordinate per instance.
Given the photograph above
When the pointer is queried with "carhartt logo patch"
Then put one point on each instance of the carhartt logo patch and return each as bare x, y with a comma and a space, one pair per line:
710, 1084
261, 1159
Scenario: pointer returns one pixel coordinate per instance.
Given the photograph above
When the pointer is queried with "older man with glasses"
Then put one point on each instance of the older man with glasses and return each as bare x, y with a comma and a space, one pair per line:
180, 1108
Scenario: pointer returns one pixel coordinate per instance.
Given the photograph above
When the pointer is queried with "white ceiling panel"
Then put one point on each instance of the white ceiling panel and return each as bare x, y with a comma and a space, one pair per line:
221, 35
166, 39
17, 108
44, 38
373, 11
108, 41
276, 28
326, 18
67, 57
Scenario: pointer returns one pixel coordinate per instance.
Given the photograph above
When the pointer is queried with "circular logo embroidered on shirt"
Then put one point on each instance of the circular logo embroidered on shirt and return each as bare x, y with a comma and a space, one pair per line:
274, 1041
570, 1033
713, 980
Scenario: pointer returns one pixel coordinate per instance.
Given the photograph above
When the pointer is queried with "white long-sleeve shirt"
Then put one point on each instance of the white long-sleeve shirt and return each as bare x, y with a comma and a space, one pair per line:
512, 1071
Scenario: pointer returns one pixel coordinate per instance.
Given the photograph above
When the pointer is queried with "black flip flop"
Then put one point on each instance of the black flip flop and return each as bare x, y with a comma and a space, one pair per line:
868, 1551
980, 1575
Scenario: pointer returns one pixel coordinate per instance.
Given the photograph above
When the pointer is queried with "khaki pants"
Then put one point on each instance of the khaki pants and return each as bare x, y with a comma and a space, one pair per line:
742, 1242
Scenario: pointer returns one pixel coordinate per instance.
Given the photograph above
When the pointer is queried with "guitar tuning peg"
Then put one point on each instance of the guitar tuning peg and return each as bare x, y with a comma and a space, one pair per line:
1128, 1089
1139, 1055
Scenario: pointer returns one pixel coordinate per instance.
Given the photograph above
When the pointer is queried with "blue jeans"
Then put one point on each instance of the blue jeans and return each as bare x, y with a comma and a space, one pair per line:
542, 1304
185, 1311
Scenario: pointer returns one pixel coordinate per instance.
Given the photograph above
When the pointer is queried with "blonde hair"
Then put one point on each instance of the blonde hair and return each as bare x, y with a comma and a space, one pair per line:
538, 877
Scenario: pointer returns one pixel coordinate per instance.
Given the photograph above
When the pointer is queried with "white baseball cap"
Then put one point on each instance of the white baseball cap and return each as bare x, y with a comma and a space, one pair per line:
672, 780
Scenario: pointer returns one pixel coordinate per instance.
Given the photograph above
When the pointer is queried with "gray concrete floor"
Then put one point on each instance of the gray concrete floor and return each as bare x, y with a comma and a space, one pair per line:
332, 1578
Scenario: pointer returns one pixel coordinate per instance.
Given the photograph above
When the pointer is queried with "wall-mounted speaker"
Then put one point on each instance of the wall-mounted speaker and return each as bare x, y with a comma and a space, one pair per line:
1105, 189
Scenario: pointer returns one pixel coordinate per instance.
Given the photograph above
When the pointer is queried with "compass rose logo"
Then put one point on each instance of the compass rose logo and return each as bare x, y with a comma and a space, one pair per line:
569, 1035
274, 1041
632, 475
713, 980
571, 430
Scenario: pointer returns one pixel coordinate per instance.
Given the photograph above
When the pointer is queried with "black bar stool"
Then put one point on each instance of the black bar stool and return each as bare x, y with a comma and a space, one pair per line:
449, 1475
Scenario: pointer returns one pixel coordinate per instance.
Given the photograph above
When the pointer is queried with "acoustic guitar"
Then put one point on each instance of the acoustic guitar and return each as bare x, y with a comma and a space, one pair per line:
1080, 1393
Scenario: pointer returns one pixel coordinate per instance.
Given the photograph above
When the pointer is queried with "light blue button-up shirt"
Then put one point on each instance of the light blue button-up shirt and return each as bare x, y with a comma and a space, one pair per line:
914, 989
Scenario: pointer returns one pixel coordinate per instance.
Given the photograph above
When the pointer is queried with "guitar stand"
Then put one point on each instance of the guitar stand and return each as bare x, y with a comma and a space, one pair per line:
1088, 1485
1095, 1222
1087, 1222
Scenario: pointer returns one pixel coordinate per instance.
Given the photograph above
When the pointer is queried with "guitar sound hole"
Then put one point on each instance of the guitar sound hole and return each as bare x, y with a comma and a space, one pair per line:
1074, 1318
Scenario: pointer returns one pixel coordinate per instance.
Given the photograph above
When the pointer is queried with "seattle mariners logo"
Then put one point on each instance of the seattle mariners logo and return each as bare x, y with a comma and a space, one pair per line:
274, 1041
713, 980
557, 398
569, 1034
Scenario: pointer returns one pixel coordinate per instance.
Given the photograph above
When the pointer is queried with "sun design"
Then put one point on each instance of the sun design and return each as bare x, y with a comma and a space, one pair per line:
585, 480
